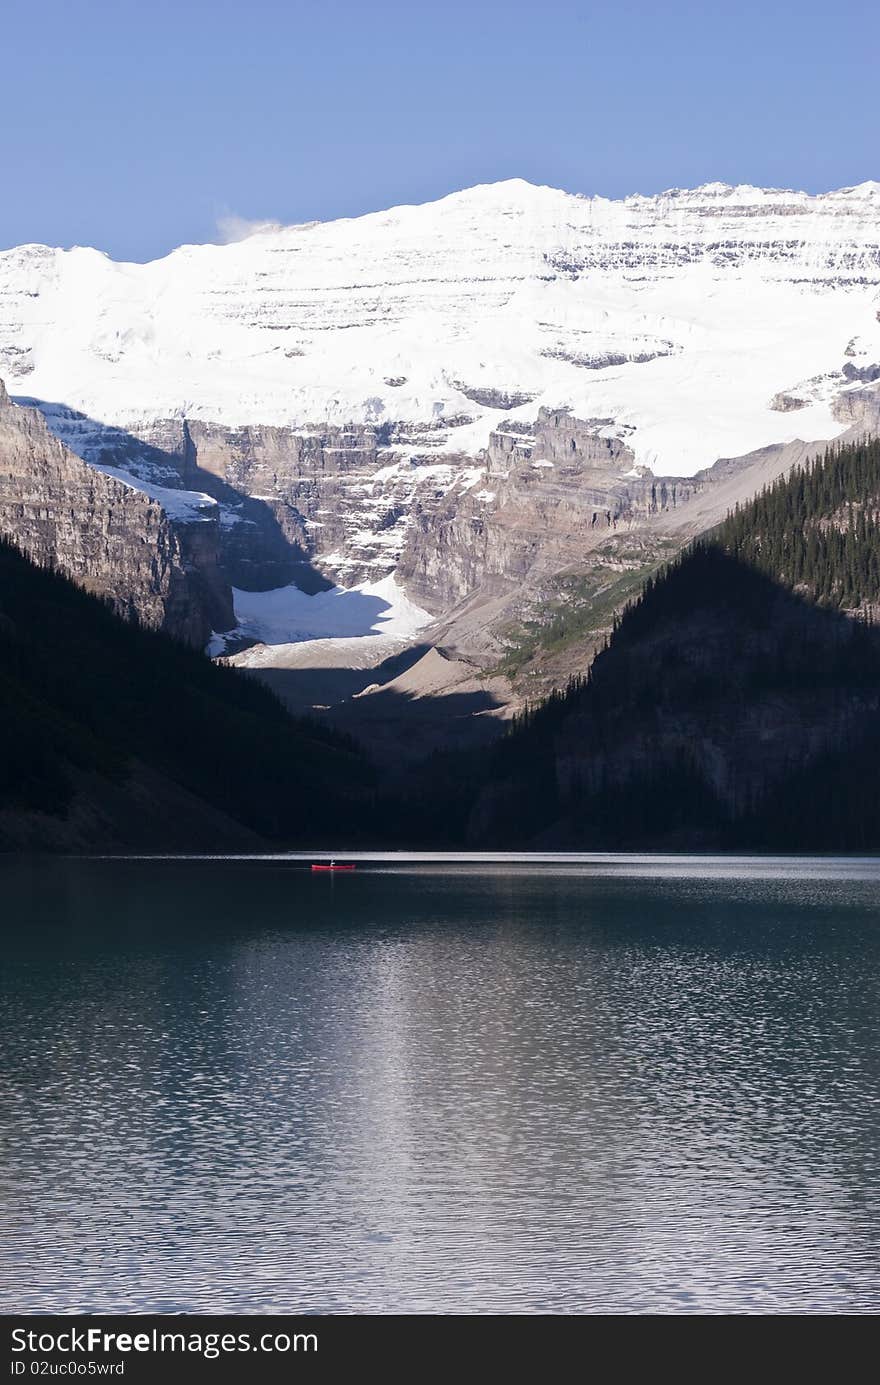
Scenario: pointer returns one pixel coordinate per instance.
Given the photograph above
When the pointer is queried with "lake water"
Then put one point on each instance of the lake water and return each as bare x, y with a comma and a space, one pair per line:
576, 1085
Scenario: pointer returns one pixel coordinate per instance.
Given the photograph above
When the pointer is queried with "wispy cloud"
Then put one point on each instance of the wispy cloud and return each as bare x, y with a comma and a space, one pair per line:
231, 227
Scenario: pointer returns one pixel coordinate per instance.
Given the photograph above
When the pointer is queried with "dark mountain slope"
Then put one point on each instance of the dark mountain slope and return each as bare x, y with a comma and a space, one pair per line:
112, 735
736, 705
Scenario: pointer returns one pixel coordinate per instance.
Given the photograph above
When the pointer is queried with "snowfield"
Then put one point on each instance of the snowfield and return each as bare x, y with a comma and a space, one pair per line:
675, 319
286, 616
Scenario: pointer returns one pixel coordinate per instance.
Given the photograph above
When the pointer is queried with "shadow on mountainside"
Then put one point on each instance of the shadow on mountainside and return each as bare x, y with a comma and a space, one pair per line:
113, 736
727, 712
319, 689
255, 552
397, 726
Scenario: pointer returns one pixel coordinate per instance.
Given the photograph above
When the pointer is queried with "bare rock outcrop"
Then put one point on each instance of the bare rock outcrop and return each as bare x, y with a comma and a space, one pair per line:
110, 538
526, 568
860, 408
547, 500
296, 504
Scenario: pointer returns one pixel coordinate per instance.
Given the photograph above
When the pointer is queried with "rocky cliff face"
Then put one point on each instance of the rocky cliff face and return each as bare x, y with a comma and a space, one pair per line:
305, 505
110, 538
527, 569
549, 497
513, 398
336, 498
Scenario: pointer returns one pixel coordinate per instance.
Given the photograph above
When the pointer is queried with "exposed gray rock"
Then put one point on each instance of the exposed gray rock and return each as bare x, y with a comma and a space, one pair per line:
305, 505
865, 374
785, 403
547, 501
490, 398
860, 408
111, 539
601, 360
561, 525
303, 497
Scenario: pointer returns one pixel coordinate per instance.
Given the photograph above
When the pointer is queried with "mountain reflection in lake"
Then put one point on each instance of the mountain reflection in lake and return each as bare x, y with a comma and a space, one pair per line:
232, 1085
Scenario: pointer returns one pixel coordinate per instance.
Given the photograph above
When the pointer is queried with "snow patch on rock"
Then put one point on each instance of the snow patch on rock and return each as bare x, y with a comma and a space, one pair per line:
286, 616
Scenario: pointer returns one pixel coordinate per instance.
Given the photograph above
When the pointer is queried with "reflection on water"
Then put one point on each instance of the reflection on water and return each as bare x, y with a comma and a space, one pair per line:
235, 1086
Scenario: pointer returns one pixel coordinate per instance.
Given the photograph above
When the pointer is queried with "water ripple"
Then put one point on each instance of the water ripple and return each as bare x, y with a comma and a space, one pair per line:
231, 1087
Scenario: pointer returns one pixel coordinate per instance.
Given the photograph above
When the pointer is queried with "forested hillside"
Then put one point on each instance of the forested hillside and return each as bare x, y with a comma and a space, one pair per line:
736, 704
112, 735
817, 530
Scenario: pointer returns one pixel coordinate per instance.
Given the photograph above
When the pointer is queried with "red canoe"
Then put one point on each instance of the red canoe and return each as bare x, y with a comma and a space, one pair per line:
331, 865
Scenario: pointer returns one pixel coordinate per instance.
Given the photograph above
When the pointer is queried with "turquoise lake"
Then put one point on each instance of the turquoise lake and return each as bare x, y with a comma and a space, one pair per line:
553, 1084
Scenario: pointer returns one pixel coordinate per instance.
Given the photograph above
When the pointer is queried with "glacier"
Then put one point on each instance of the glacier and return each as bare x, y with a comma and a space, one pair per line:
283, 616
694, 324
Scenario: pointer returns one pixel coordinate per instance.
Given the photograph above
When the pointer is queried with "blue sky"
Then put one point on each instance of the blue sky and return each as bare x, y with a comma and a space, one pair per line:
135, 126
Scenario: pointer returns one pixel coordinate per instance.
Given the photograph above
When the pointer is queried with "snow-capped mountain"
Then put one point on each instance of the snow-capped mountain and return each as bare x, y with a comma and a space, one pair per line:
693, 324
449, 404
